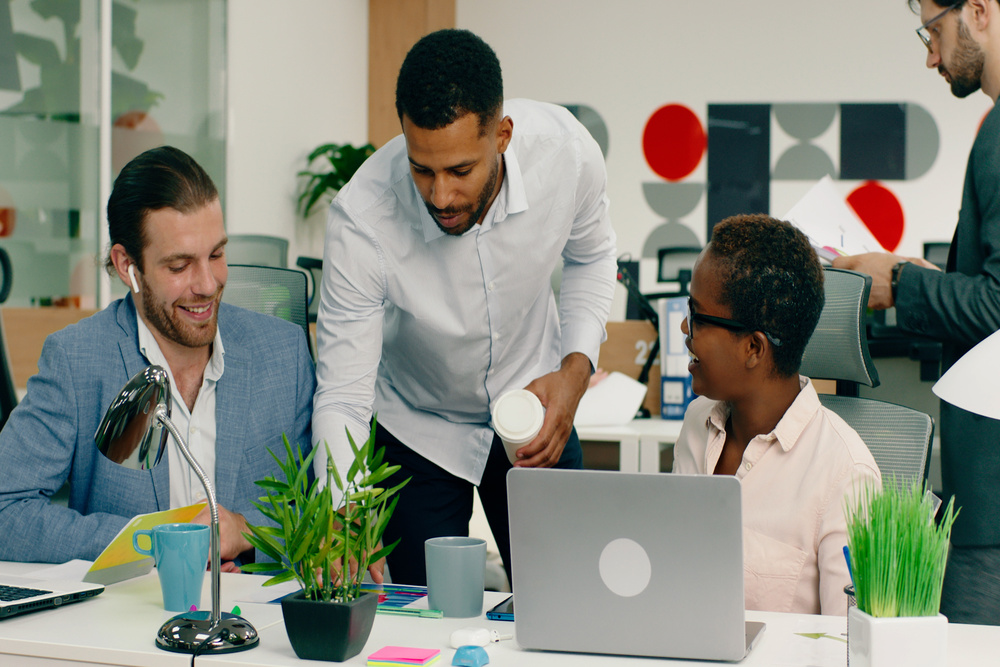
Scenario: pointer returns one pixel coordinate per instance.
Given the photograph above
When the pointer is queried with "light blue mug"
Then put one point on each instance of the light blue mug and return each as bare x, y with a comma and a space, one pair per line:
181, 554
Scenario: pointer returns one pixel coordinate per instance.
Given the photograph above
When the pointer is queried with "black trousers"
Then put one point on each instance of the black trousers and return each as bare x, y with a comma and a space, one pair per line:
972, 586
435, 503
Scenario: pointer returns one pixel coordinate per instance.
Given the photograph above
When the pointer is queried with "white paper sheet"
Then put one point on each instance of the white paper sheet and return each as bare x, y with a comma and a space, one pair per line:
611, 402
971, 383
830, 223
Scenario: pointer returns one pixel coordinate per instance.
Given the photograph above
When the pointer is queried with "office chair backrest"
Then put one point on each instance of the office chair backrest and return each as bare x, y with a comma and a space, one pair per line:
898, 437
314, 267
8, 396
257, 250
270, 290
838, 349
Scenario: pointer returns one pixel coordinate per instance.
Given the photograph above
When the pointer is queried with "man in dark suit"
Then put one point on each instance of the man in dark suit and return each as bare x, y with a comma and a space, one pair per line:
960, 307
239, 380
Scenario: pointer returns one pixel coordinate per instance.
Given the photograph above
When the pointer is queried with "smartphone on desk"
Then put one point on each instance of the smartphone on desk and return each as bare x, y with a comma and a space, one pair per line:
503, 611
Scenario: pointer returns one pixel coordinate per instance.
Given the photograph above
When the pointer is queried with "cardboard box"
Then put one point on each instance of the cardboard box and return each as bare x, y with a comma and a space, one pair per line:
626, 350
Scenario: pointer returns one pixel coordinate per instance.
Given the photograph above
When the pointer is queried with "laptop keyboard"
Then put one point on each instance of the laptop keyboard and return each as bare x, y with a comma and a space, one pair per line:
12, 593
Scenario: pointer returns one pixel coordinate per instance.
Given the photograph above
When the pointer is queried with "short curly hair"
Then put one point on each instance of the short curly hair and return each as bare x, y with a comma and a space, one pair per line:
771, 280
446, 75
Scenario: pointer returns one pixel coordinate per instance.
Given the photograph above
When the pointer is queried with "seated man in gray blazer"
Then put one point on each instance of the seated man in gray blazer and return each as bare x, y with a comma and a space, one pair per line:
238, 381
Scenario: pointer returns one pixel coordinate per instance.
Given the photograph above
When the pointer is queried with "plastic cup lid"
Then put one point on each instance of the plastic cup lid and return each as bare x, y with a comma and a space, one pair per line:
518, 415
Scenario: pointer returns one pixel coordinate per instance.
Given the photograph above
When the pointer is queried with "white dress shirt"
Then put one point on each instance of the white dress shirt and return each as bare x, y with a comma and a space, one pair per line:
795, 482
431, 329
197, 426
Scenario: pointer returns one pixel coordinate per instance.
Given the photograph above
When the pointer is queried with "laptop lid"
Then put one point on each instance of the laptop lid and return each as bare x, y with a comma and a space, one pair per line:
19, 595
629, 564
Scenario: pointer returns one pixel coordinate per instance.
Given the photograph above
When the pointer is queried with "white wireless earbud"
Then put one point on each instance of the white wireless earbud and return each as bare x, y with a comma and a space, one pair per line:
476, 637
131, 275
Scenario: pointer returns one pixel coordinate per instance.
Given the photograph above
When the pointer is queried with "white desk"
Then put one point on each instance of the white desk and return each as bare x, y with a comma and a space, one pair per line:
639, 441
118, 627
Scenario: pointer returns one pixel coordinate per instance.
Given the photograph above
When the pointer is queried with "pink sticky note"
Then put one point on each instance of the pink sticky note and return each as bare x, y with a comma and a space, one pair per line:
415, 656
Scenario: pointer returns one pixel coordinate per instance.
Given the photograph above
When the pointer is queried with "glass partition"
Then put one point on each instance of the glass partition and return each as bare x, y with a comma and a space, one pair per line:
167, 85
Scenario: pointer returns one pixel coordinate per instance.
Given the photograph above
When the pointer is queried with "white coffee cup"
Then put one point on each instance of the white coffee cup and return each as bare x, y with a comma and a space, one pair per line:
517, 419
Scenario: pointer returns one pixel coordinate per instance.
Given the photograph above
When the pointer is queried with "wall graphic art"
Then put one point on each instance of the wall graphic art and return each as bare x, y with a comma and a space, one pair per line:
747, 147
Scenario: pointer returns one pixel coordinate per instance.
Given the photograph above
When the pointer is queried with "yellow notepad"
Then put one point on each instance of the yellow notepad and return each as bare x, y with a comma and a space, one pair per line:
120, 561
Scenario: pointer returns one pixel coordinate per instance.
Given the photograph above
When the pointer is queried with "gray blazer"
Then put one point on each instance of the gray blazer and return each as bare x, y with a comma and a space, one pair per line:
962, 307
266, 390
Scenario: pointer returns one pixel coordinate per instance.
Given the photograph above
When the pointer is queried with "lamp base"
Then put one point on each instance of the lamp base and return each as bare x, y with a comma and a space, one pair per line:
187, 632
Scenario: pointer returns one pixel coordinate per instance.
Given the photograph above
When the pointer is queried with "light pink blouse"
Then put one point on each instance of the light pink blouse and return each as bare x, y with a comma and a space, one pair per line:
796, 481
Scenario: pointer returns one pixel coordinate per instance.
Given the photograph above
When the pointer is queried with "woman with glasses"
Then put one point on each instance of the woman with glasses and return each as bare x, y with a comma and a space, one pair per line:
756, 297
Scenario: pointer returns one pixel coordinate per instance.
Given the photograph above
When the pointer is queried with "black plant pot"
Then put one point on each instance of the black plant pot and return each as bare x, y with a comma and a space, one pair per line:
332, 631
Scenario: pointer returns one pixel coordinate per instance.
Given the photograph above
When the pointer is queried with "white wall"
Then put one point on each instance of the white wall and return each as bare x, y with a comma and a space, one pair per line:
627, 58
298, 77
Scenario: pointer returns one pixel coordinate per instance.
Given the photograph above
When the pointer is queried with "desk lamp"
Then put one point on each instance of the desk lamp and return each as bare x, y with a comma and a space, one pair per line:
971, 384
134, 434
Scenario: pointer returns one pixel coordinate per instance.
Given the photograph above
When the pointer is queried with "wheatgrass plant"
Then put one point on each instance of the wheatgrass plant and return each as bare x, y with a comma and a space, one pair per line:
898, 551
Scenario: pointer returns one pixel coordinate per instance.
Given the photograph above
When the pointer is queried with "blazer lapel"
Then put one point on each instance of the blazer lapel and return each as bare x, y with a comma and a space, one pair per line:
134, 362
231, 414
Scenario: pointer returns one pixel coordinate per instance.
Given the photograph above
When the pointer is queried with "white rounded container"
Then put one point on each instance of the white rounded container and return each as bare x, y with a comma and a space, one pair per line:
517, 419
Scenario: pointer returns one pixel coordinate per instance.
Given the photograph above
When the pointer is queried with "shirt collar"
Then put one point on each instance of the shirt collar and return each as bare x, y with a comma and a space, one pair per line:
150, 349
792, 423
512, 198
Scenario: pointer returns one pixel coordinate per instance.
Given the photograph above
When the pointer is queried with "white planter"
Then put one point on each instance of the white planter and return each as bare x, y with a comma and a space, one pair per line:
914, 641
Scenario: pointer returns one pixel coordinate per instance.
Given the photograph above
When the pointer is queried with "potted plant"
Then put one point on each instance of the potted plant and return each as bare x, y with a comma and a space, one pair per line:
898, 555
341, 161
326, 550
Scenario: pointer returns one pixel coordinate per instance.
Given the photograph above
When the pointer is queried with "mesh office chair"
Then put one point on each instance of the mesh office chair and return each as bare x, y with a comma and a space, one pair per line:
258, 250
314, 267
8, 396
898, 437
270, 290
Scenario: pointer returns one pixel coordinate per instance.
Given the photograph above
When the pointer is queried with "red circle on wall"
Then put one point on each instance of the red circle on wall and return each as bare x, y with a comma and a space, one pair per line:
881, 212
673, 141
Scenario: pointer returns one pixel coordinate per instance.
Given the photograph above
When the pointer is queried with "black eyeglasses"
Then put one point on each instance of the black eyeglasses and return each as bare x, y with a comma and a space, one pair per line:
924, 34
725, 323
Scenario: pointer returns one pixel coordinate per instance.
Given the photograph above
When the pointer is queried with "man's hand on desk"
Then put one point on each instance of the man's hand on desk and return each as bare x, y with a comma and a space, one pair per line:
560, 393
232, 542
878, 265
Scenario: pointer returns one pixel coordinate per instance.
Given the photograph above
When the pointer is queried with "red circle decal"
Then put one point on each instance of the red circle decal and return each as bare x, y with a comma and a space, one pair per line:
881, 212
673, 141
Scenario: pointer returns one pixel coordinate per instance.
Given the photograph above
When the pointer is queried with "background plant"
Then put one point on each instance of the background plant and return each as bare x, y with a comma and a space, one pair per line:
898, 552
311, 541
328, 168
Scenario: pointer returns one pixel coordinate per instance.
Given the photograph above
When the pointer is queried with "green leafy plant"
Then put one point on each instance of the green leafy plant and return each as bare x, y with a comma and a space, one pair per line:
898, 552
338, 162
312, 541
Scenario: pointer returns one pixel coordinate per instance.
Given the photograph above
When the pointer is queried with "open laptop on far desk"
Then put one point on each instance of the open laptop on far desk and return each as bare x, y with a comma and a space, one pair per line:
628, 564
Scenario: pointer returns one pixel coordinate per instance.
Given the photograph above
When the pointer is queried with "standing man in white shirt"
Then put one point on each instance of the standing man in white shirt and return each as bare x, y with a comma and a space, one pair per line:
437, 298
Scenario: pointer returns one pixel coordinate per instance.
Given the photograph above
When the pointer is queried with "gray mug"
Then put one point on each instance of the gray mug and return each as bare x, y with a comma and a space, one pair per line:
456, 569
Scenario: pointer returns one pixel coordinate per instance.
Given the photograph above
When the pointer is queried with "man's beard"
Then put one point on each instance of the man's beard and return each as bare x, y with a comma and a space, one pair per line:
159, 317
966, 71
477, 212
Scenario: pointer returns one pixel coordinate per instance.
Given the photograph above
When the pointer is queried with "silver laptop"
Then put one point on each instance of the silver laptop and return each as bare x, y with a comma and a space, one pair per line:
628, 564
19, 595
